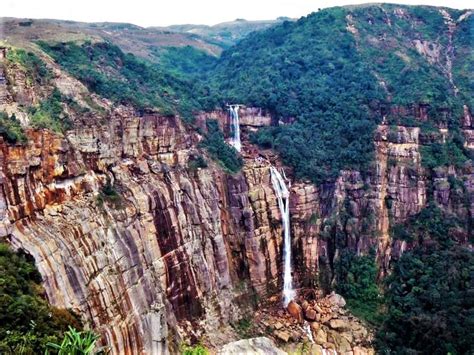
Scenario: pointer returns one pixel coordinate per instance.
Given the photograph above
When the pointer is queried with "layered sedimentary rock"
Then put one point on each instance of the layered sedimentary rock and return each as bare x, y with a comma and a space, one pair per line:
182, 245
173, 246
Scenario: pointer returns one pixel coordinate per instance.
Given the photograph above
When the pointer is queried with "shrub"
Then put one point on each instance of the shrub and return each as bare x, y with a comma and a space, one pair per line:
109, 194
10, 129
194, 350
197, 162
76, 343
430, 303
443, 154
49, 114
356, 278
429, 298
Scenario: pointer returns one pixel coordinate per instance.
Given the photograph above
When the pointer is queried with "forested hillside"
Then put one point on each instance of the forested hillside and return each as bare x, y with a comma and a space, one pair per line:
336, 73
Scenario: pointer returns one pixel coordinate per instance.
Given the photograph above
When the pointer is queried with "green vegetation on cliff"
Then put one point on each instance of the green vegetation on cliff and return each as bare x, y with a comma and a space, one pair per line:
463, 63
309, 70
77, 343
356, 280
430, 298
219, 150
186, 61
10, 129
126, 79
430, 302
27, 321
50, 114
35, 69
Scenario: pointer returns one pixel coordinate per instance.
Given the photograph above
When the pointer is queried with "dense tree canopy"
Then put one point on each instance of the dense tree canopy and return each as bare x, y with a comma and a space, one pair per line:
27, 321
335, 73
430, 293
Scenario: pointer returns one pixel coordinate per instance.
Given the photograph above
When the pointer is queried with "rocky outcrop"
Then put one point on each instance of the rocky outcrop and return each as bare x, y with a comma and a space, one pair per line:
250, 118
4, 94
468, 128
326, 326
253, 346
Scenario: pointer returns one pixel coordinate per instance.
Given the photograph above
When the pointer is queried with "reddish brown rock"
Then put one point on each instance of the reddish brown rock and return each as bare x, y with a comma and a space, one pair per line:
310, 314
294, 309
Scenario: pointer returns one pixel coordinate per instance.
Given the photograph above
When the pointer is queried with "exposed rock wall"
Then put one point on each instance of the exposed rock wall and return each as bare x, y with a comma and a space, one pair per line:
174, 247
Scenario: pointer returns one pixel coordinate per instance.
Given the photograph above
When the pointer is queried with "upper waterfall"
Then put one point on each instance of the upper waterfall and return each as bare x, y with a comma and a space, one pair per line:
235, 124
283, 196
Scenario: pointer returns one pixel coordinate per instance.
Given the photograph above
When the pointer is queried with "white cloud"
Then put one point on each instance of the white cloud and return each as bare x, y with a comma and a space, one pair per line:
167, 12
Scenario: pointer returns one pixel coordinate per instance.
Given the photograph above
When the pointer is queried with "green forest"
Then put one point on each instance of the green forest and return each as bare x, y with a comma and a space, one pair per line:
27, 322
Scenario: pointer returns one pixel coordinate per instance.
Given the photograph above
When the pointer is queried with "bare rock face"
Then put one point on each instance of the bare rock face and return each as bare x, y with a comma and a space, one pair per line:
180, 242
174, 248
337, 300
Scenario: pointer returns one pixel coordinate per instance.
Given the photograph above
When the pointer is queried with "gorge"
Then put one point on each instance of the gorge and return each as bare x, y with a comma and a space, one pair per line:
339, 219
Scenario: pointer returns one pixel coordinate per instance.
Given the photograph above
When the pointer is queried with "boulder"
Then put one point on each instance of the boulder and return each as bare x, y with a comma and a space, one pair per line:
359, 350
320, 337
305, 305
278, 326
315, 326
337, 300
282, 335
295, 311
348, 336
339, 324
257, 346
342, 345
326, 318
310, 314
329, 346
360, 333
316, 349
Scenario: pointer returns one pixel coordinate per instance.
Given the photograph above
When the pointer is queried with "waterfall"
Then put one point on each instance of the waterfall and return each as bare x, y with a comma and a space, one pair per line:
234, 121
307, 330
283, 196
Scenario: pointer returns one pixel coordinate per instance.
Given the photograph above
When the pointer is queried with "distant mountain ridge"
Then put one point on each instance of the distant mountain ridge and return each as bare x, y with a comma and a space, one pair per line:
141, 41
227, 33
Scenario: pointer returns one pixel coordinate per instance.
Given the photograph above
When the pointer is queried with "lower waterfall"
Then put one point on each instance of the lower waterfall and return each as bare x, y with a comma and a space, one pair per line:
283, 196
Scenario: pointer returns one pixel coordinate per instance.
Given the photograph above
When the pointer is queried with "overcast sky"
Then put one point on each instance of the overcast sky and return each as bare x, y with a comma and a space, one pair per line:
168, 12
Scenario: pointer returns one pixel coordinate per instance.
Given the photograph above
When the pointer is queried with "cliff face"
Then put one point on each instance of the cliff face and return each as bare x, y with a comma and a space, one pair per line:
183, 245
177, 245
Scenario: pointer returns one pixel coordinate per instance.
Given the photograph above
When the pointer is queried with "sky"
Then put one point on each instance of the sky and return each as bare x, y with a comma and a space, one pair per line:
168, 12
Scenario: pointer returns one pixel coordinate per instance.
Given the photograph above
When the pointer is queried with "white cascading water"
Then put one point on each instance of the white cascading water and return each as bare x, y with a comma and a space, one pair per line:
234, 120
307, 330
283, 196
